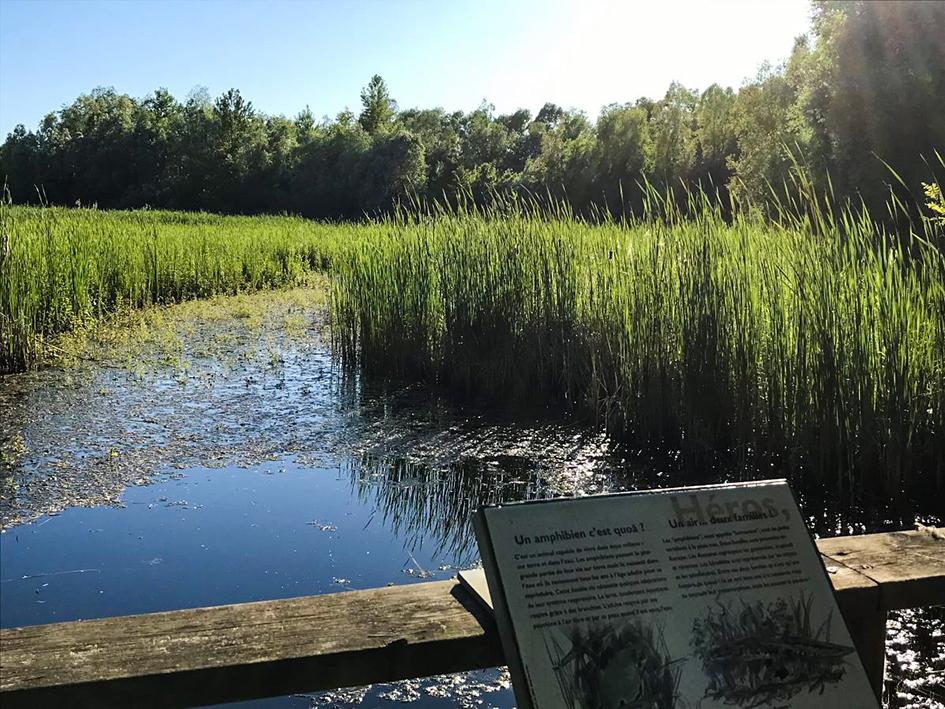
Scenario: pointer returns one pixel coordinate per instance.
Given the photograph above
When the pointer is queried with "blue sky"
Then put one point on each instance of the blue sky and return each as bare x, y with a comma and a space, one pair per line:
286, 54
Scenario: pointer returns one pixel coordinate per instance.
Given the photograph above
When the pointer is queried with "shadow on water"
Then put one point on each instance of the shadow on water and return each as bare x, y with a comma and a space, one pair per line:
227, 459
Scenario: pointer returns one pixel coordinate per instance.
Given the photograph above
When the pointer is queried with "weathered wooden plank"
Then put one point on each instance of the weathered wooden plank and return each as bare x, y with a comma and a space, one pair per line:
875, 573
908, 567
225, 653
856, 594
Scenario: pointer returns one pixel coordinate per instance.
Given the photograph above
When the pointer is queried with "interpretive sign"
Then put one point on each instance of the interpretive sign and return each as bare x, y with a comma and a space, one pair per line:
694, 597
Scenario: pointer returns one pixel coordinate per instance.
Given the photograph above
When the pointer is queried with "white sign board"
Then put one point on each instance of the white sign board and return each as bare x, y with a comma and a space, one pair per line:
696, 597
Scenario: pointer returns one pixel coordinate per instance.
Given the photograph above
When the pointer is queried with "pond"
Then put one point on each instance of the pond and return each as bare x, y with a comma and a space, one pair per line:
215, 453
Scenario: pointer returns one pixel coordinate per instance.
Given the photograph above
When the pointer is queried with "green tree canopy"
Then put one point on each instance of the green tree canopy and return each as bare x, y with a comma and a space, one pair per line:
862, 91
378, 108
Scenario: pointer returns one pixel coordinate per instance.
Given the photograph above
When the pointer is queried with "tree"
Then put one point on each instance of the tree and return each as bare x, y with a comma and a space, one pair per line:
883, 65
564, 164
484, 140
716, 144
392, 170
378, 107
766, 136
549, 114
865, 87
623, 152
21, 159
326, 180
305, 125
157, 130
439, 134
671, 128
238, 153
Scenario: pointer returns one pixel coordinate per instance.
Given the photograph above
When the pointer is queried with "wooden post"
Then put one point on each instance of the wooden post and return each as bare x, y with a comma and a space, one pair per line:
908, 570
868, 631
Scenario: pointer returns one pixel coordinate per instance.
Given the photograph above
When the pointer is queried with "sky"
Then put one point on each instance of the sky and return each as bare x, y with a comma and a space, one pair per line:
284, 55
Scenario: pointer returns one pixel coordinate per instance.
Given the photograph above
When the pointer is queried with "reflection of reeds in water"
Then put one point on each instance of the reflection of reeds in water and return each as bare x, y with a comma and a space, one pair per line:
423, 502
766, 652
429, 466
605, 667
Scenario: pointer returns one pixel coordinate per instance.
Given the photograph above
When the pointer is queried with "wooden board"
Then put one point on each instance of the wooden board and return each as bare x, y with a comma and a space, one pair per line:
228, 653
856, 594
908, 567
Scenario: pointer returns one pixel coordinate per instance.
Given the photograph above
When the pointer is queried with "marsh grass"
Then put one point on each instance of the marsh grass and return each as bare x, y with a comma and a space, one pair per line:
61, 269
166, 335
807, 345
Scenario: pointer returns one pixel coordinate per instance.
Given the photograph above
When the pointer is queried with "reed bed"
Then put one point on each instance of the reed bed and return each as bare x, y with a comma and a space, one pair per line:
811, 345
803, 345
61, 268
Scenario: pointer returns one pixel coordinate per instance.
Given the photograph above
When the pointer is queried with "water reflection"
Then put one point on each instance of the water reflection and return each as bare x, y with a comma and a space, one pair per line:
422, 503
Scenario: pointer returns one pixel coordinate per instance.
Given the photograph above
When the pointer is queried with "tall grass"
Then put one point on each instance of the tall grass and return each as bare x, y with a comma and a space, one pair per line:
63, 267
813, 343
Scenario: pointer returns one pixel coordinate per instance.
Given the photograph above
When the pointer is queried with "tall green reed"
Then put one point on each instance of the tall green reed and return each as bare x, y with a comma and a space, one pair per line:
63, 267
814, 341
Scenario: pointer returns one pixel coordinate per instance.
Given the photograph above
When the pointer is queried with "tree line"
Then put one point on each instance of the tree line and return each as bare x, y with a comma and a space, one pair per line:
857, 109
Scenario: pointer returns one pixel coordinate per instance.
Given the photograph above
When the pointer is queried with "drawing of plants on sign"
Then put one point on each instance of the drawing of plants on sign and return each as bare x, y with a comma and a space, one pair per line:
601, 666
758, 653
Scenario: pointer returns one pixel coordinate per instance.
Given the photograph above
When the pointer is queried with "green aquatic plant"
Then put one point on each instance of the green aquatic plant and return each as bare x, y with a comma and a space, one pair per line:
810, 344
935, 201
65, 268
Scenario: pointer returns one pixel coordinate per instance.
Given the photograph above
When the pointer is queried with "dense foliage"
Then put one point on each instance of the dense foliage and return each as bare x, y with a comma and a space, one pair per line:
865, 89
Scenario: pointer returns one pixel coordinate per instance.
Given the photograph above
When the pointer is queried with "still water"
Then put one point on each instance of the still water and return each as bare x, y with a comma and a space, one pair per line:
227, 459
212, 536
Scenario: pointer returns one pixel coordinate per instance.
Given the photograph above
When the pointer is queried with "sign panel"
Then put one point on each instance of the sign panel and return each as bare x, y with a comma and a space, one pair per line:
696, 597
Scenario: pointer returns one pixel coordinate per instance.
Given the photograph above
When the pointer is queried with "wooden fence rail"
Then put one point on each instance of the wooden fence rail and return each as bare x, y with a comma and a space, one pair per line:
270, 648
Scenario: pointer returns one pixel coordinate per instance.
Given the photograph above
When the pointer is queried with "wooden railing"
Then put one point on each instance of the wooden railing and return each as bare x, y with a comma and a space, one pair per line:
271, 648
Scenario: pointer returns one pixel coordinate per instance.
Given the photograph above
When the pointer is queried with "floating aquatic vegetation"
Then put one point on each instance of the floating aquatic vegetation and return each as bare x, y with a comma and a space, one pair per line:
767, 652
323, 526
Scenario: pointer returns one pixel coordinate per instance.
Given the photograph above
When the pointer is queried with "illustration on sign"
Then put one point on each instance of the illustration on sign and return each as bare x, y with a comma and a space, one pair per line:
763, 652
600, 666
